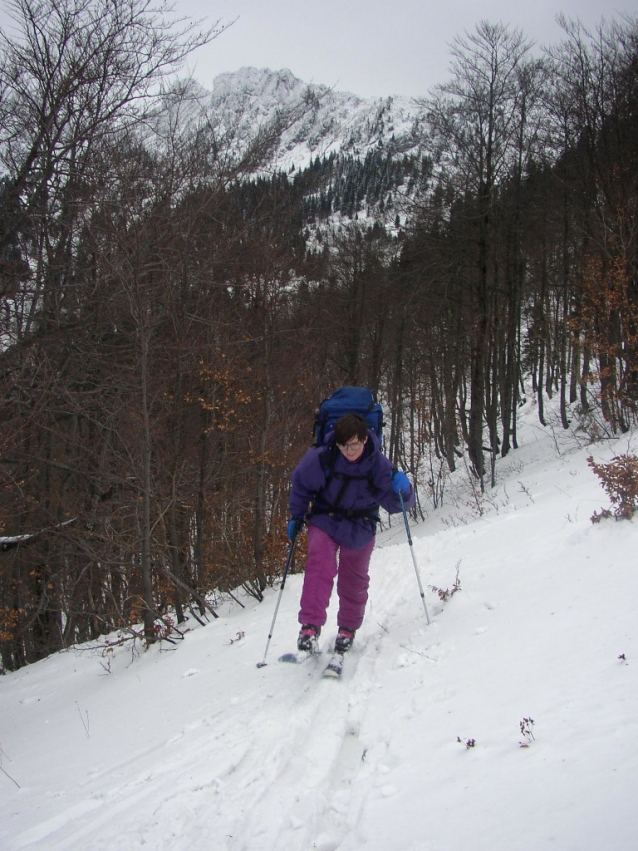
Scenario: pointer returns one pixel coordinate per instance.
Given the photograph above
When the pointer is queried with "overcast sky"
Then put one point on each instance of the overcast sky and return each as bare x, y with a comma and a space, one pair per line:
370, 47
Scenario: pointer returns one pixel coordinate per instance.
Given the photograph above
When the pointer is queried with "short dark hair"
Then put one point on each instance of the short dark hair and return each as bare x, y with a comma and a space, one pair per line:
350, 426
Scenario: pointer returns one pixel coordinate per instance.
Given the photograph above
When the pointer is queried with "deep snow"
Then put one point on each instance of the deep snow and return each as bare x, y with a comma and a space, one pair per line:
418, 748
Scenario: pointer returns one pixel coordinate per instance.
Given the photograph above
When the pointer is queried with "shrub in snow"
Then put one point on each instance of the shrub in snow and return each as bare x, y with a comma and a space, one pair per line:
619, 479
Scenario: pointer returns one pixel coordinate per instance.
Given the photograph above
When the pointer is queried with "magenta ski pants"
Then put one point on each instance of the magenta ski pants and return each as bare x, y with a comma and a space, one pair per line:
327, 559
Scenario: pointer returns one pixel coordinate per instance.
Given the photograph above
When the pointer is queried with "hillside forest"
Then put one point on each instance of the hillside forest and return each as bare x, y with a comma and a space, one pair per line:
174, 306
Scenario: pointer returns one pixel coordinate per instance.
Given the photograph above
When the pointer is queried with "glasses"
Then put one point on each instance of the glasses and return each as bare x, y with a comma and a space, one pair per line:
353, 446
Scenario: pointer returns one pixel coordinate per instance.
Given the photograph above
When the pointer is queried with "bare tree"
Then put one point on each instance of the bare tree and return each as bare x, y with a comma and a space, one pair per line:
475, 119
592, 105
73, 75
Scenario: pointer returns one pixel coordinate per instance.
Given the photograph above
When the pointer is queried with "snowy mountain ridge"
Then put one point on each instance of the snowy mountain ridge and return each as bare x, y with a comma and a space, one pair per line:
332, 121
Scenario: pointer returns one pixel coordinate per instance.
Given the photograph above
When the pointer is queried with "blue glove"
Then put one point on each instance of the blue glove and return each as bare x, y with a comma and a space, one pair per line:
294, 526
400, 482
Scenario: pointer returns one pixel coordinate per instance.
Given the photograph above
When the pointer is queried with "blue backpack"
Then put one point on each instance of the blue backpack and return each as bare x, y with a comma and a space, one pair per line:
347, 400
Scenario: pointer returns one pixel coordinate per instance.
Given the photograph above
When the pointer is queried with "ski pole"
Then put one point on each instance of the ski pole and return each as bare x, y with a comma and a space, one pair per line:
416, 569
281, 591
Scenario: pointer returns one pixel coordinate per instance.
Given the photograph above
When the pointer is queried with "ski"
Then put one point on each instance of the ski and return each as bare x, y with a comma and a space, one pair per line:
334, 668
300, 657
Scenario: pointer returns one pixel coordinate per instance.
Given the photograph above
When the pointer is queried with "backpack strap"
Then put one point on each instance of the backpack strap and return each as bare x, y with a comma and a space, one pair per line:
328, 458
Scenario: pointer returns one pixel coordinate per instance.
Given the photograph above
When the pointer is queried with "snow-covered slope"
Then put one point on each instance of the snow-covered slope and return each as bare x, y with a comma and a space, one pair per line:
418, 748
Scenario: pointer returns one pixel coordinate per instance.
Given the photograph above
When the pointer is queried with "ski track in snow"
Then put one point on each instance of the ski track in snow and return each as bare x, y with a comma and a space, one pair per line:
292, 745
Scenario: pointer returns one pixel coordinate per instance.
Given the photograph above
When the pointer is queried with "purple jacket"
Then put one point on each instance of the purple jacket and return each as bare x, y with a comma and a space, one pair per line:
309, 483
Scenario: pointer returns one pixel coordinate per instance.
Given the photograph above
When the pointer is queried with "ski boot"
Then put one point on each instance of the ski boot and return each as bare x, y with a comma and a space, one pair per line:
344, 639
308, 639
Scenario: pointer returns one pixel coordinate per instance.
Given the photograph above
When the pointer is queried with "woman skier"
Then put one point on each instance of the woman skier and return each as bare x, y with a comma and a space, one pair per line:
337, 489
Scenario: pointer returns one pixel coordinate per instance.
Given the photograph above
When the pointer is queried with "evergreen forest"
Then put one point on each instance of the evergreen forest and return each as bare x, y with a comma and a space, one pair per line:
174, 306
